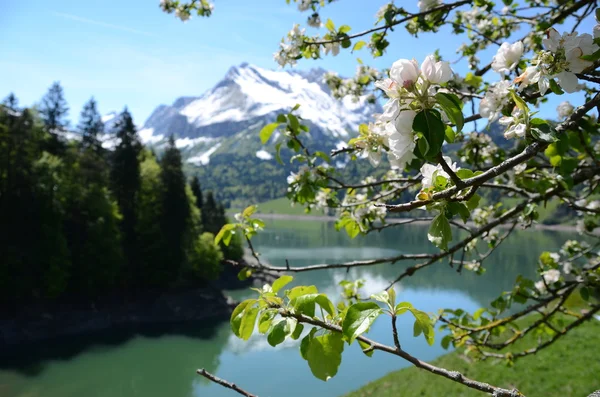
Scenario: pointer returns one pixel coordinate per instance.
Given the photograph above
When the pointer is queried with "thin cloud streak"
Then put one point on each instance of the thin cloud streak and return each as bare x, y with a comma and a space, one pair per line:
103, 24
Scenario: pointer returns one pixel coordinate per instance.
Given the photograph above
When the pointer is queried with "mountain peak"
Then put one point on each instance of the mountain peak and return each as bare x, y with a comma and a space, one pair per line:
250, 96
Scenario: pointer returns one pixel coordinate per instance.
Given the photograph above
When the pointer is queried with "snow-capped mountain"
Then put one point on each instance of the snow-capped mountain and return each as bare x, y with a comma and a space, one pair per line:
247, 98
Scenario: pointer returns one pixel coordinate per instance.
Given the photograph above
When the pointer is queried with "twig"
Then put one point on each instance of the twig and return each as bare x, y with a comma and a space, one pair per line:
224, 383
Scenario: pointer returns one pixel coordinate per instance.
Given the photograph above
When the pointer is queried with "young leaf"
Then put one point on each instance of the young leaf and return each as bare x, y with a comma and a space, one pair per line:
451, 105
278, 153
249, 211
323, 301
402, 307
278, 332
330, 26
267, 131
364, 346
301, 290
297, 331
265, 320
359, 318
238, 313
305, 343
248, 321
281, 282
305, 304
358, 45
440, 233
324, 355
294, 124
430, 125
225, 230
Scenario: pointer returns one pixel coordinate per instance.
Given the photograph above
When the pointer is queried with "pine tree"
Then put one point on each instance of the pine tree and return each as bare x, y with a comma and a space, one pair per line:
125, 184
90, 125
209, 214
53, 108
11, 102
197, 190
175, 207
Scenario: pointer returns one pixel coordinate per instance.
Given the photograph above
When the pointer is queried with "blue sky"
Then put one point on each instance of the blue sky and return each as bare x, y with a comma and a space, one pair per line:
130, 53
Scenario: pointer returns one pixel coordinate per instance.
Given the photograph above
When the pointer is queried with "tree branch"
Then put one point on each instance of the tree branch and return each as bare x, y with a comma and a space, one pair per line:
224, 383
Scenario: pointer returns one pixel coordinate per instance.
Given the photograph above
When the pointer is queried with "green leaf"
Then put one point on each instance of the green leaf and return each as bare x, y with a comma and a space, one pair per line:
330, 26
267, 131
459, 209
278, 153
364, 346
352, 228
248, 321
382, 296
249, 211
294, 123
306, 342
359, 318
473, 202
305, 304
344, 29
279, 331
464, 173
281, 282
430, 125
585, 293
478, 313
265, 320
555, 88
450, 135
301, 290
423, 324
452, 106
520, 103
446, 341
296, 107
591, 57
440, 233
223, 234
402, 307
281, 118
297, 331
358, 45
473, 80
236, 317
323, 301
324, 355
244, 273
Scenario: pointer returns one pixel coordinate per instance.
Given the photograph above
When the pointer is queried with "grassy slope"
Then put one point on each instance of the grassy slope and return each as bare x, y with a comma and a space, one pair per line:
281, 206
569, 367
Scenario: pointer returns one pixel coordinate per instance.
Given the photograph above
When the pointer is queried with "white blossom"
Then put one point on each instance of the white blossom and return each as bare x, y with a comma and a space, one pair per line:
426, 5
515, 125
405, 72
436, 72
551, 276
334, 48
494, 100
304, 5
564, 110
520, 168
430, 172
507, 57
321, 199
314, 21
567, 267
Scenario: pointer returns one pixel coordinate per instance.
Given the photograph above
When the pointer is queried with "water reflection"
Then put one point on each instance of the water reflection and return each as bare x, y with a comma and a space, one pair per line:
162, 362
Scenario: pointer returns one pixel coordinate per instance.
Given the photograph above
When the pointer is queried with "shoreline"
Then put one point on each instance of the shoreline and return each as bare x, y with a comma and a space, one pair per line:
330, 218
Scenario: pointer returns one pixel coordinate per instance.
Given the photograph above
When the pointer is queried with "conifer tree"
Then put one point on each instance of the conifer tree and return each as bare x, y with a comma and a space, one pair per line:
197, 190
125, 183
90, 125
175, 206
53, 108
11, 102
209, 214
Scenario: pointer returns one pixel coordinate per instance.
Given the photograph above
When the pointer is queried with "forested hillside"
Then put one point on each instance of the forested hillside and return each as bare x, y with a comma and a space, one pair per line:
82, 221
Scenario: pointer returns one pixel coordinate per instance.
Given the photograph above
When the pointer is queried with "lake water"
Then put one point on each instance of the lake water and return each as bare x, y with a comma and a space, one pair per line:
162, 362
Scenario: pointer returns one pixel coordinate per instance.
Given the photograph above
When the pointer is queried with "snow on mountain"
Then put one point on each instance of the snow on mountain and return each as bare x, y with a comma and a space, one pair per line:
248, 97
